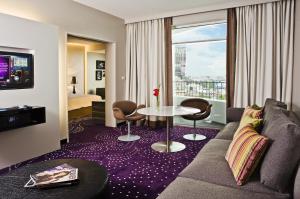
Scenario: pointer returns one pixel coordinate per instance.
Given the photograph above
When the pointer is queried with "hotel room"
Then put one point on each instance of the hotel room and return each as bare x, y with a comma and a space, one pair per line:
149, 99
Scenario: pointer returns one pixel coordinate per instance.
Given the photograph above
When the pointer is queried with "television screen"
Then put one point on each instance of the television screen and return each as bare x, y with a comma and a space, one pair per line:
16, 70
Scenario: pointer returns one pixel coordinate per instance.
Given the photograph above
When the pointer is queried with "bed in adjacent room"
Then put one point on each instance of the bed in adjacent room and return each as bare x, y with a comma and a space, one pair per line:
81, 101
81, 105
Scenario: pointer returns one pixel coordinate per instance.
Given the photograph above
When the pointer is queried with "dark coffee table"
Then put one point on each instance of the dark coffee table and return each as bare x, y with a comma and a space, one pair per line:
93, 182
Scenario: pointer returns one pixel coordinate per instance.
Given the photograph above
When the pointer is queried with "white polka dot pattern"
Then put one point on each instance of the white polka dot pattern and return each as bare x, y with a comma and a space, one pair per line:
135, 170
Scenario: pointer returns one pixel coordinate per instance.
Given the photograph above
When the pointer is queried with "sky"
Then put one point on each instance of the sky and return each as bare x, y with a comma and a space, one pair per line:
204, 58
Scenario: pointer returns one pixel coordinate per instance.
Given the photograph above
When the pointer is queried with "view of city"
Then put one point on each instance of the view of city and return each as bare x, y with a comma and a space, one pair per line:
199, 58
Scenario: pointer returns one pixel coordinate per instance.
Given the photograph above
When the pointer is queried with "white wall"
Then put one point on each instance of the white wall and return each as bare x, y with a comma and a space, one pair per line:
92, 83
25, 143
79, 20
75, 67
110, 86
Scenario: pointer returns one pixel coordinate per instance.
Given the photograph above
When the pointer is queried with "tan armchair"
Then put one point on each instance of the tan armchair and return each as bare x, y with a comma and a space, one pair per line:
205, 110
127, 111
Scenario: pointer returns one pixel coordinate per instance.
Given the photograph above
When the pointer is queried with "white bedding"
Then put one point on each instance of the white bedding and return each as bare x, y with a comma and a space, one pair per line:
81, 101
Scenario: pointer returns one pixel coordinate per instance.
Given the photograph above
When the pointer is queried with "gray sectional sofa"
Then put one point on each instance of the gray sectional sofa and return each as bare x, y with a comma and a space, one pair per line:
209, 176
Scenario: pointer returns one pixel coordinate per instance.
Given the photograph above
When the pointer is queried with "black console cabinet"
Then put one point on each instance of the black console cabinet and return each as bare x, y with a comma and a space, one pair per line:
13, 118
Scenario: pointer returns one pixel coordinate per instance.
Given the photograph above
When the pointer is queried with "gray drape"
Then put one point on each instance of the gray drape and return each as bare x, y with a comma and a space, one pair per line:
264, 53
146, 62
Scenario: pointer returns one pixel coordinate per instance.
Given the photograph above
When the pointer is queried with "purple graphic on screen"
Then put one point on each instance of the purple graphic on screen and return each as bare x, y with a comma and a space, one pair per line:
4, 68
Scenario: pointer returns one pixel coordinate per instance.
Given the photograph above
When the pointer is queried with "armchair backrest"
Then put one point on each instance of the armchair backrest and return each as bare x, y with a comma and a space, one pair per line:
126, 106
199, 103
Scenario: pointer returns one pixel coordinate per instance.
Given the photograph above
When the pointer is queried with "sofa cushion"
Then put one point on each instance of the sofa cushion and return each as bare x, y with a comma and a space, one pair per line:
250, 116
244, 153
253, 112
256, 123
215, 147
283, 156
272, 108
272, 114
228, 131
213, 168
273, 103
187, 188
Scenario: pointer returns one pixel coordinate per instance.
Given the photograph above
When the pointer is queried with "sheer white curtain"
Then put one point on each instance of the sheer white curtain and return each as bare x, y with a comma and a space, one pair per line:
264, 54
145, 61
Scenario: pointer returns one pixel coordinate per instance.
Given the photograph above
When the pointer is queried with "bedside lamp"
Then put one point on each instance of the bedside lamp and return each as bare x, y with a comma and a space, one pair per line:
74, 82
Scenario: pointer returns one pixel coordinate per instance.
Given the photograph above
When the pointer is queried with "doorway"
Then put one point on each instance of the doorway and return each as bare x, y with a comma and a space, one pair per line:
86, 77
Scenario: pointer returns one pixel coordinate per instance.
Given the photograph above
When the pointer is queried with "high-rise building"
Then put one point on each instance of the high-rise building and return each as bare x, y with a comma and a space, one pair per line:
180, 61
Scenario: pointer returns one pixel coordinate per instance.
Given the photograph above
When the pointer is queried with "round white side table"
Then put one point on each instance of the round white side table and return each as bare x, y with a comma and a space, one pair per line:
168, 112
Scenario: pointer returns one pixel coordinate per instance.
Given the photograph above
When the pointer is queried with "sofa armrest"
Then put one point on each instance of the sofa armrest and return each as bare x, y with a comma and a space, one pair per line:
234, 114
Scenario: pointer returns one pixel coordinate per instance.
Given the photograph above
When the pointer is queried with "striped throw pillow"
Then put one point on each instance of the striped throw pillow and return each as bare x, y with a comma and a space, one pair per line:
253, 112
246, 121
244, 153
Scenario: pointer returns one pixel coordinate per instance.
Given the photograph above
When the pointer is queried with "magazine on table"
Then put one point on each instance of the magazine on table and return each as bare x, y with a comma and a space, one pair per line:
61, 175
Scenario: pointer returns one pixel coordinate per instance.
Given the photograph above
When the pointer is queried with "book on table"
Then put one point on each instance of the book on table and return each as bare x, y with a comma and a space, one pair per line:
61, 175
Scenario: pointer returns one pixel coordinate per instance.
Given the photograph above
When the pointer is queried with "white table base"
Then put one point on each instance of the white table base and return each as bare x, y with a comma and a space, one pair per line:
168, 112
163, 147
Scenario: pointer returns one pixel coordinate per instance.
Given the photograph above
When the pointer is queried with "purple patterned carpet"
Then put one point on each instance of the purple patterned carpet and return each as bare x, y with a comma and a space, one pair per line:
135, 170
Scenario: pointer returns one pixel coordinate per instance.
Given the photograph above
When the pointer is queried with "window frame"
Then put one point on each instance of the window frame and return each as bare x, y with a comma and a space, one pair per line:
199, 25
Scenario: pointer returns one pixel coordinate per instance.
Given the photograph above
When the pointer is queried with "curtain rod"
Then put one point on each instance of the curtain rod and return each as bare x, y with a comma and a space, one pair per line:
206, 9
199, 24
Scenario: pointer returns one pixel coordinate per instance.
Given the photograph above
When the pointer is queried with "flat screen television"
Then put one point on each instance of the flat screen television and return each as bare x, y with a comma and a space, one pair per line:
16, 70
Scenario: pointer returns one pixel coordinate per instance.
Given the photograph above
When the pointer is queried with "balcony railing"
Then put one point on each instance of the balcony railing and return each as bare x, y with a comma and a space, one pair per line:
204, 89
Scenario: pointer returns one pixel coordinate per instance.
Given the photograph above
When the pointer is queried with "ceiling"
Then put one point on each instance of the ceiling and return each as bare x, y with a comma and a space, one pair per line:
129, 9
90, 45
83, 41
138, 10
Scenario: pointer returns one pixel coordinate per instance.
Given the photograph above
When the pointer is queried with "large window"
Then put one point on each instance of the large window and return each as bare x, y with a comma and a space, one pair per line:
199, 61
